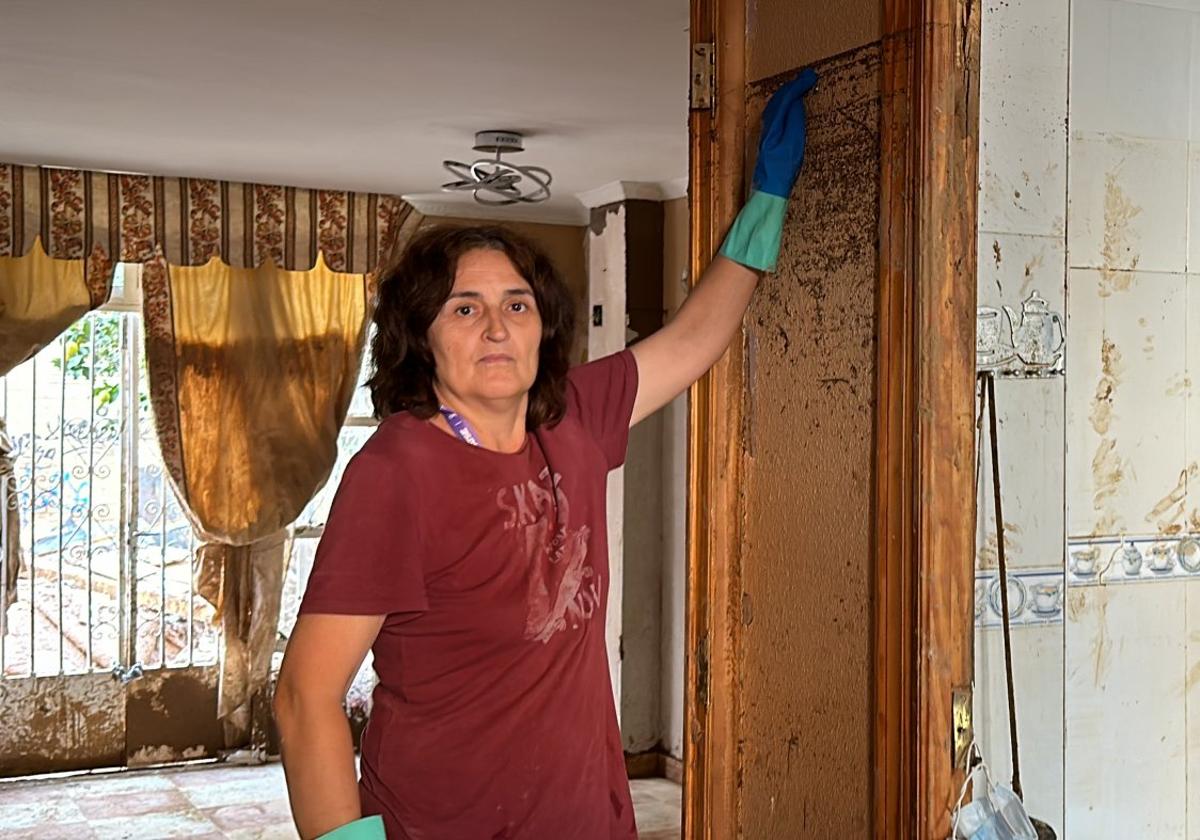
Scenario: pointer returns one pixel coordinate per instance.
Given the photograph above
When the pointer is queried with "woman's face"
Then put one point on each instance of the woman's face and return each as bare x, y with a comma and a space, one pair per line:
486, 337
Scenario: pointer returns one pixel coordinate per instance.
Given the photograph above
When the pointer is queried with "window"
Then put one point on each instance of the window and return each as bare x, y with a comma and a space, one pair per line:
107, 551
105, 546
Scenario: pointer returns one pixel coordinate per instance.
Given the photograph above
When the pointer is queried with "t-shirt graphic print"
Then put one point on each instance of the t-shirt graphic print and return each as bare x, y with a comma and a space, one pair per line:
564, 589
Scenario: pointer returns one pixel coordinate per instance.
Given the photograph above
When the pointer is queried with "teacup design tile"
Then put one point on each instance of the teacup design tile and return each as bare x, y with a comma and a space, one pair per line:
1111, 560
1035, 596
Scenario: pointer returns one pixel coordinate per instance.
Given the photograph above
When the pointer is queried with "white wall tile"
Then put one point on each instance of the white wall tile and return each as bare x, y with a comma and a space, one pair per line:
1011, 266
1084, 369
1186, 5
1192, 384
1022, 110
1126, 727
1030, 417
1193, 261
1130, 69
1195, 86
1128, 203
1192, 706
1126, 399
1038, 686
1030, 413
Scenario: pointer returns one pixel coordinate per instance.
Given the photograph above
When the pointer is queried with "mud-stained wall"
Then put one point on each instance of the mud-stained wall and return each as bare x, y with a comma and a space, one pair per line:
805, 669
784, 34
51, 724
172, 716
86, 721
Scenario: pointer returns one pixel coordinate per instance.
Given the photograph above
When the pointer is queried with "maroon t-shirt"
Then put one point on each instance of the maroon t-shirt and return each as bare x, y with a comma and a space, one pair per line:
494, 714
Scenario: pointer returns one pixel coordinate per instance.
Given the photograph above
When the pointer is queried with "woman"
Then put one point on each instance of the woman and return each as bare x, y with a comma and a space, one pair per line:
467, 542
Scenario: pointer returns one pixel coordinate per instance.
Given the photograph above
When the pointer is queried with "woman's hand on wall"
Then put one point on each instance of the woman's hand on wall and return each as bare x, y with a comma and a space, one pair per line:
754, 239
673, 358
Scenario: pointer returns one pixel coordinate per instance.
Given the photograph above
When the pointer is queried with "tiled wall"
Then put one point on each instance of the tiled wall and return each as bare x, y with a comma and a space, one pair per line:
1090, 193
1132, 413
1023, 248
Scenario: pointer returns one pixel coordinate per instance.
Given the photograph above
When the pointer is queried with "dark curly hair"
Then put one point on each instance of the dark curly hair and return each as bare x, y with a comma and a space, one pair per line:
411, 294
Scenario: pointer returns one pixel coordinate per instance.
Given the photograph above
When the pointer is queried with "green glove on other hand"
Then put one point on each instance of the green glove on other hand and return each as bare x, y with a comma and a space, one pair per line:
367, 828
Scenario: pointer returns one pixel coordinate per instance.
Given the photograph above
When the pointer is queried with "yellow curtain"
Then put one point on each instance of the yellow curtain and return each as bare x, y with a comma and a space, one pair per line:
251, 374
39, 298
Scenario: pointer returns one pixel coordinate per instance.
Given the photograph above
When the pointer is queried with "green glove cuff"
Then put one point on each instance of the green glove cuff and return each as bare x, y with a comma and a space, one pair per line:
757, 231
367, 828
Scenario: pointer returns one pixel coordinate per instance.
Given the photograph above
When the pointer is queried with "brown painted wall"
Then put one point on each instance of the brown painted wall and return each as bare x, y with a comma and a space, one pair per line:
805, 665
786, 34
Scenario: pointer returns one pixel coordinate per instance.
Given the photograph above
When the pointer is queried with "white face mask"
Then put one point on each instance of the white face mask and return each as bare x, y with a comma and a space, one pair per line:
995, 813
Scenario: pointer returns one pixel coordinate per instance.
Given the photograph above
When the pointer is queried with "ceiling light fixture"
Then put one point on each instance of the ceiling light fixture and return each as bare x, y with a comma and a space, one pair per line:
496, 182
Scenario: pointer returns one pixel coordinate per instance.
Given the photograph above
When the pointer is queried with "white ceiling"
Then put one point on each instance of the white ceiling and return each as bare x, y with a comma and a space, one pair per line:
366, 95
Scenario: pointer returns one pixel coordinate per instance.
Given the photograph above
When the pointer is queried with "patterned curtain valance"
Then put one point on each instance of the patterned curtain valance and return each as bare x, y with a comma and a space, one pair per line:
106, 218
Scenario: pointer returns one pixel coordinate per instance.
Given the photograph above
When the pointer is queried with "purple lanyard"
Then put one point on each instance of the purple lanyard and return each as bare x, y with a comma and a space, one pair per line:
460, 426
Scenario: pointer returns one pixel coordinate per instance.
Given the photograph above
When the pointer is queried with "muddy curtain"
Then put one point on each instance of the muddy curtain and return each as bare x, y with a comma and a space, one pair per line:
251, 372
41, 296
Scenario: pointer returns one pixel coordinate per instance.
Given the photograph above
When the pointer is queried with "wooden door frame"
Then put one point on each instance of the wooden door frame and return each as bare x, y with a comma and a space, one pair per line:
714, 520
925, 403
924, 501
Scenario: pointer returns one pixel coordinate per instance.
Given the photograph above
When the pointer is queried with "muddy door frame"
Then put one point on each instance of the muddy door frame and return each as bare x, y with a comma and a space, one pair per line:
924, 511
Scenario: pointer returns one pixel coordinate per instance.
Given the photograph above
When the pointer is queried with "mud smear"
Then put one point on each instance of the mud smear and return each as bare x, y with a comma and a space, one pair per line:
1101, 644
1181, 386
1117, 250
1107, 468
988, 557
1112, 367
1107, 474
1034, 263
1167, 516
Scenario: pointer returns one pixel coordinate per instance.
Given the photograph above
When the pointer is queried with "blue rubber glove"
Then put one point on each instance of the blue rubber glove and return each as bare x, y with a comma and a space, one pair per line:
367, 828
757, 232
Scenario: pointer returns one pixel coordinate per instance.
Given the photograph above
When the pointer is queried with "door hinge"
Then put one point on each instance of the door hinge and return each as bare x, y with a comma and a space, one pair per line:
964, 734
704, 76
702, 673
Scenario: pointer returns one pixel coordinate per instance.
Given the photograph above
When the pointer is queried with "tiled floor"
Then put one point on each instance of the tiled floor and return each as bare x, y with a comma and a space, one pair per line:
246, 803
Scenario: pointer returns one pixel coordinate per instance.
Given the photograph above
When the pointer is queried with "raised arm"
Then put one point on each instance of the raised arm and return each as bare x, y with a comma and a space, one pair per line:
673, 358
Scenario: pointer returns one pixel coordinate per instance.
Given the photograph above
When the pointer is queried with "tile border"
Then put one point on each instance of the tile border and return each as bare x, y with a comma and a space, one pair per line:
1035, 597
1101, 561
